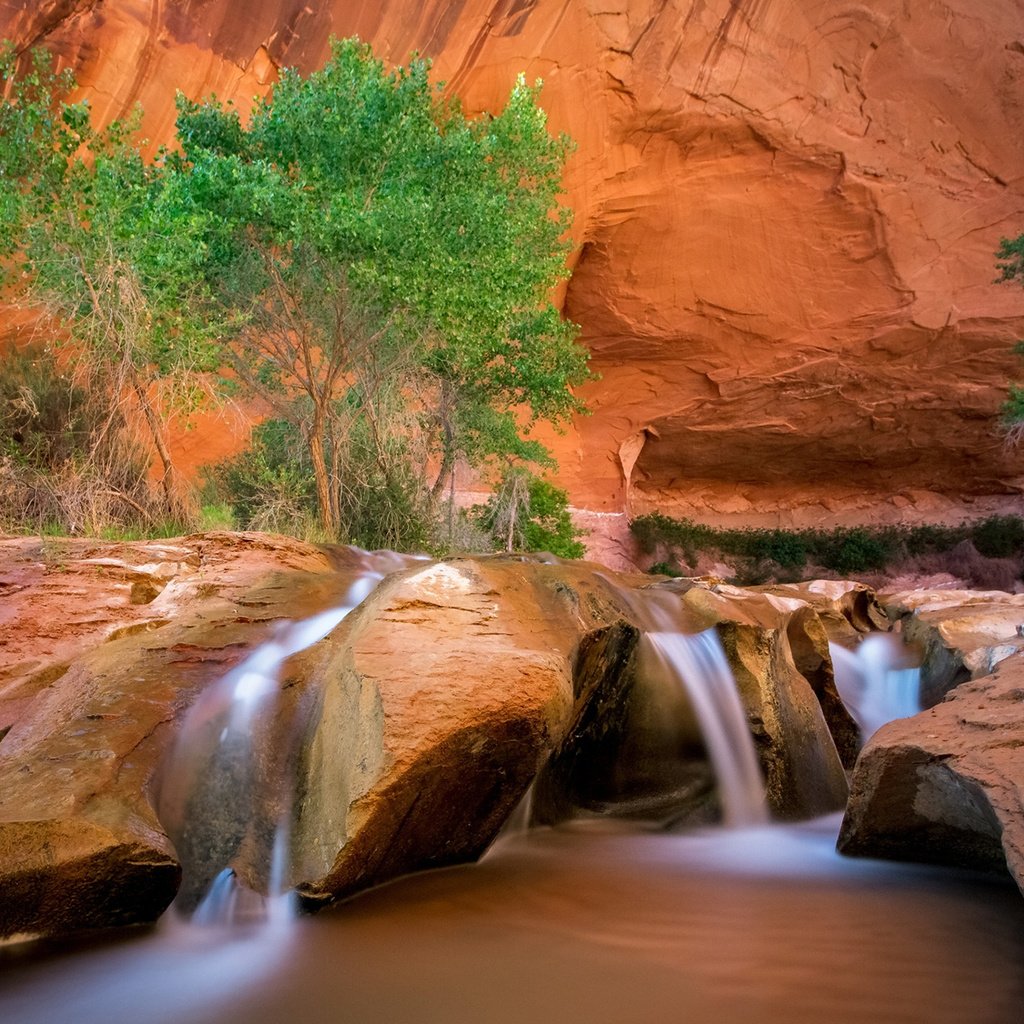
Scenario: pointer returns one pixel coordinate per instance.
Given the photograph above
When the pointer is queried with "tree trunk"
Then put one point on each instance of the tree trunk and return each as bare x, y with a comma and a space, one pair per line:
448, 458
328, 510
156, 430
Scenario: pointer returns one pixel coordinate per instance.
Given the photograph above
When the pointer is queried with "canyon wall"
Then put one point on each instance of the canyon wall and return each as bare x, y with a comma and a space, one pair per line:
786, 213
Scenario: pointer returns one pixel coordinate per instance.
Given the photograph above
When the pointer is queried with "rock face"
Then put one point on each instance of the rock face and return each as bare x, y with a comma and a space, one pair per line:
944, 786
786, 214
455, 683
412, 727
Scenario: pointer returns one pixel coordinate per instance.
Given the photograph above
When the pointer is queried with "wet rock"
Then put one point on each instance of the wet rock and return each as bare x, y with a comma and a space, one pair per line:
58, 876
963, 634
647, 758
421, 719
457, 681
944, 786
107, 681
846, 609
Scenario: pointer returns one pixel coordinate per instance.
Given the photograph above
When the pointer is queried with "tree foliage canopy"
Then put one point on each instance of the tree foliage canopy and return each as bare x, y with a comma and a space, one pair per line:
374, 264
387, 265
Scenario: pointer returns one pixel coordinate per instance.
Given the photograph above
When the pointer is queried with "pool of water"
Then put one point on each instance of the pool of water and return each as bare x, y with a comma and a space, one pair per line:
588, 923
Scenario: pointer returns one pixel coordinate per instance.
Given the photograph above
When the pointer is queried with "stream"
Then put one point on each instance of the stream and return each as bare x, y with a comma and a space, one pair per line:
593, 922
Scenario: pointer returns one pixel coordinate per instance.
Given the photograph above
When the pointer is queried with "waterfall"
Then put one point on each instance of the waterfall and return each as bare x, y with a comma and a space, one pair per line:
696, 663
875, 682
225, 776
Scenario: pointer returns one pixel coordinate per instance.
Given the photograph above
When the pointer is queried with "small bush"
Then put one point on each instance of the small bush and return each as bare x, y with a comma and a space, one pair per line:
854, 550
527, 513
788, 550
980, 571
269, 486
999, 536
986, 553
665, 569
68, 461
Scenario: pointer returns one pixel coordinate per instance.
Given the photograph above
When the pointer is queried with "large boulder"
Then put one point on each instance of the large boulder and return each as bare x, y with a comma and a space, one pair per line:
99, 684
426, 714
945, 786
455, 683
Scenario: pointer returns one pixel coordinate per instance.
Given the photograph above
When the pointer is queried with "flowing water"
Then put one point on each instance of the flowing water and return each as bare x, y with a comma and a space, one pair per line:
217, 780
591, 922
584, 924
876, 682
695, 664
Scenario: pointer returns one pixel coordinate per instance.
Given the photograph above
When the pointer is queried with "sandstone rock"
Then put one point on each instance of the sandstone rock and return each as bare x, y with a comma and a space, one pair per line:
837, 611
80, 843
456, 682
420, 719
646, 756
963, 634
785, 216
847, 609
944, 786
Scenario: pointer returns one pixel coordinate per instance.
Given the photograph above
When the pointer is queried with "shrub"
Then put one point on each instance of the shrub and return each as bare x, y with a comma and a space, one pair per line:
68, 461
986, 553
527, 513
855, 550
785, 549
999, 536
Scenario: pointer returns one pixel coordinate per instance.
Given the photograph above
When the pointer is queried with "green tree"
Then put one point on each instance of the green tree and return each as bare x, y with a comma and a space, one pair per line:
386, 264
99, 238
527, 513
1010, 264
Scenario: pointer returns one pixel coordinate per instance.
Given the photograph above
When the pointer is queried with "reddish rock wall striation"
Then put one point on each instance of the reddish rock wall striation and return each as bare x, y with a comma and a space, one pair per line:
785, 216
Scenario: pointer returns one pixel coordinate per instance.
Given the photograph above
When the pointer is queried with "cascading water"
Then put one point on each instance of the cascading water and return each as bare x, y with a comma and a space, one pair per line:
696, 663
875, 681
223, 774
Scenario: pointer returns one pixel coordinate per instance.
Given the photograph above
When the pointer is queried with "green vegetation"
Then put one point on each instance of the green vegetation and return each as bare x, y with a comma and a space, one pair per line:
1010, 264
528, 513
369, 263
98, 239
786, 554
1010, 259
64, 466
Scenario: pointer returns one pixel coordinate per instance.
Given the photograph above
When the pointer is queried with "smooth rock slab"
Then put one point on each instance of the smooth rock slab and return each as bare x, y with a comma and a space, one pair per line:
962, 634
97, 684
946, 785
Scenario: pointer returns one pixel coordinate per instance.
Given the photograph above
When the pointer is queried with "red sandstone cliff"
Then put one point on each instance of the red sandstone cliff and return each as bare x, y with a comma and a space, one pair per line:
786, 214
